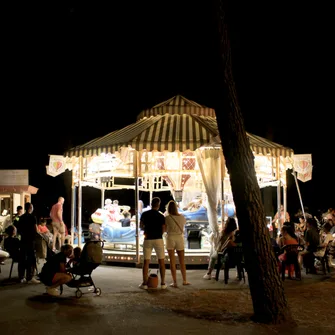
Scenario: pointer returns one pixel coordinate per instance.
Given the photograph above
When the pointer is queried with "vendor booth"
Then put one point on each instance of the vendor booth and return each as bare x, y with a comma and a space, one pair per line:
14, 191
173, 147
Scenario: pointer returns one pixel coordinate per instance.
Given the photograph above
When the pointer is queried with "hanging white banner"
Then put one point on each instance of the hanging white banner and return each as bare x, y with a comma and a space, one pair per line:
57, 165
303, 163
305, 176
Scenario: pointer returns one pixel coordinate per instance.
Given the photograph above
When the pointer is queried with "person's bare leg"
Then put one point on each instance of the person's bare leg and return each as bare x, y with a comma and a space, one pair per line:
162, 270
54, 237
145, 270
62, 239
60, 279
173, 267
181, 257
59, 239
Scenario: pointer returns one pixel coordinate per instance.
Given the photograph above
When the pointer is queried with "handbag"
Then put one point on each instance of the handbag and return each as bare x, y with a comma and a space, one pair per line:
153, 280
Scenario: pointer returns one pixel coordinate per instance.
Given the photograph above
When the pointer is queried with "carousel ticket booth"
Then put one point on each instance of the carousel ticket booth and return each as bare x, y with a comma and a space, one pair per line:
14, 191
172, 147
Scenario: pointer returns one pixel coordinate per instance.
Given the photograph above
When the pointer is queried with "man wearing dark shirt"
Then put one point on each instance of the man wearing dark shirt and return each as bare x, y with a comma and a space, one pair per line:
27, 228
312, 239
153, 224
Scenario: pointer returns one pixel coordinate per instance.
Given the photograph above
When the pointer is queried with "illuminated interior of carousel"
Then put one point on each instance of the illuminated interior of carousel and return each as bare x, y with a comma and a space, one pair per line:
173, 147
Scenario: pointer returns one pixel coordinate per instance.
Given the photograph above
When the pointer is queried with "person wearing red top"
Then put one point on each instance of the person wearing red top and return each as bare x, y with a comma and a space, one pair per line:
58, 225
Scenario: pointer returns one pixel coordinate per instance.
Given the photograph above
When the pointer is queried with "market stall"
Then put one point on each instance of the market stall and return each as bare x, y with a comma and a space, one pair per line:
175, 147
14, 191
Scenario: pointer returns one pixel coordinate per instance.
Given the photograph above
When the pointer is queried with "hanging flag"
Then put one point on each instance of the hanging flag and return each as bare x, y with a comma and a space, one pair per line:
305, 176
302, 163
57, 165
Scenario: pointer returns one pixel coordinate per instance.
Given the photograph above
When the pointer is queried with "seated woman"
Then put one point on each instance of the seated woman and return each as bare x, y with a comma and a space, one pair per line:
54, 273
225, 241
301, 226
312, 239
45, 232
12, 243
325, 238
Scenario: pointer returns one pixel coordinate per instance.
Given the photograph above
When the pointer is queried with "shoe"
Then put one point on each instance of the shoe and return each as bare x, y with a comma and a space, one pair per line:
23, 280
163, 286
143, 287
53, 292
207, 276
34, 281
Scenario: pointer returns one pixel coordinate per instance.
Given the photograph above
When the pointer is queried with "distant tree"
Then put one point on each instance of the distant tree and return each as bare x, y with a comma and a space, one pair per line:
266, 287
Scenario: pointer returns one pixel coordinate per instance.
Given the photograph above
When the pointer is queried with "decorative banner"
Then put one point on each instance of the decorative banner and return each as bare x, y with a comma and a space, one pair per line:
57, 165
305, 176
303, 164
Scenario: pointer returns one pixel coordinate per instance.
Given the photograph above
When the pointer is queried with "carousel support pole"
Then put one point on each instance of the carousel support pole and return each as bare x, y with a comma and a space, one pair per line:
80, 228
73, 206
296, 183
79, 218
11, 206
102, 197
278, 193
137, 235
223, 174
285, 200
285, 193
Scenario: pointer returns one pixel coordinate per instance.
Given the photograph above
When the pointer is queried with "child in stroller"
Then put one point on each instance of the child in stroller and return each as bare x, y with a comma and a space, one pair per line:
90, 259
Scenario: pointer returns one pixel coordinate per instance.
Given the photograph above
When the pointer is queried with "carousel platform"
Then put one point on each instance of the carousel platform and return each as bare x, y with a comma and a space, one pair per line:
128, 255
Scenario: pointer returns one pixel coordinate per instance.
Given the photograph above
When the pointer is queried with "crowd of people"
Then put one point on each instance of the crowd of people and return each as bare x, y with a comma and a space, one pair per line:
26, 239
162, 232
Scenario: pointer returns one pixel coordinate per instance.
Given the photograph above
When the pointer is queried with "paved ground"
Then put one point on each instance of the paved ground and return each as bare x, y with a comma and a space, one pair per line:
122, 307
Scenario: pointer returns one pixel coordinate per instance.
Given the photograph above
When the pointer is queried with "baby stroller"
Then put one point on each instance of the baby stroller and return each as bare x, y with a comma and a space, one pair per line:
90, 259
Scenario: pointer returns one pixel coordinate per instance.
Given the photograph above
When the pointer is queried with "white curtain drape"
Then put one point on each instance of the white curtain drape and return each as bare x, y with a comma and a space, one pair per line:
210, 167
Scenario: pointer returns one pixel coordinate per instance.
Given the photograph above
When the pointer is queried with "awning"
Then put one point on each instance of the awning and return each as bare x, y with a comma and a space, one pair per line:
18, 189
177, 124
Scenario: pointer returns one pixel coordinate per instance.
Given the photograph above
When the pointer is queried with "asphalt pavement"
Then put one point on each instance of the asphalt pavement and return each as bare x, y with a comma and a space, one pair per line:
26, 309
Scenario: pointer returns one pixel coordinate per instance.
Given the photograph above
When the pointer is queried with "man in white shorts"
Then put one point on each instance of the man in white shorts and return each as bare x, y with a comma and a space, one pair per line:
58, 226
153, 224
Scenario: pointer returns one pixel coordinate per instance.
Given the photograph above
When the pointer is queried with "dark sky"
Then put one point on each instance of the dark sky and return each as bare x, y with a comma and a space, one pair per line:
72, 73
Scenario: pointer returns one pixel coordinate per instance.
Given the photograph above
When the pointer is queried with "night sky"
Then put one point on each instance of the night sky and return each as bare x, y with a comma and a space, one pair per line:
73, 73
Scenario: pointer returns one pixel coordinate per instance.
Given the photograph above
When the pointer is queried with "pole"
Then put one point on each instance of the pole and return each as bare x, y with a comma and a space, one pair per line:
73, 206
278, 194
102, 197
80, 228
296, 183
137, 235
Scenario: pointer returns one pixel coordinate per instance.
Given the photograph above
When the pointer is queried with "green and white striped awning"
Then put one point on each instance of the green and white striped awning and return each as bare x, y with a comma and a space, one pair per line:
177, 124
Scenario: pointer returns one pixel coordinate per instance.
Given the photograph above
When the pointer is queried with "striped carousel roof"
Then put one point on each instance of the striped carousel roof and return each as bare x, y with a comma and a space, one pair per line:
177, 124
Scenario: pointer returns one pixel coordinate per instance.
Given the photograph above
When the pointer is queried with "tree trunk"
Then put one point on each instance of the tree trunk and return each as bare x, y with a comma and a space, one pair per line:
266, 287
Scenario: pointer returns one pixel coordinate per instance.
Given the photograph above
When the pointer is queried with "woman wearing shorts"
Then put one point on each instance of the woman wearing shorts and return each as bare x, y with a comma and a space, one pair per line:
175, 223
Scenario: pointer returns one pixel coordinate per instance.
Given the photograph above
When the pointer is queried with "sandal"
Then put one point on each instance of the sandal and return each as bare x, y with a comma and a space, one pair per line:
175, 285
186, 283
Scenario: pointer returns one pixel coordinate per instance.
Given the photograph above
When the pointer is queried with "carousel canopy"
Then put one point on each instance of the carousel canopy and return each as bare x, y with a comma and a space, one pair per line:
177, 124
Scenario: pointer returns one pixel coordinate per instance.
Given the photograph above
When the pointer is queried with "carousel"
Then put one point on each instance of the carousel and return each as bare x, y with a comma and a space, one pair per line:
173, 147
